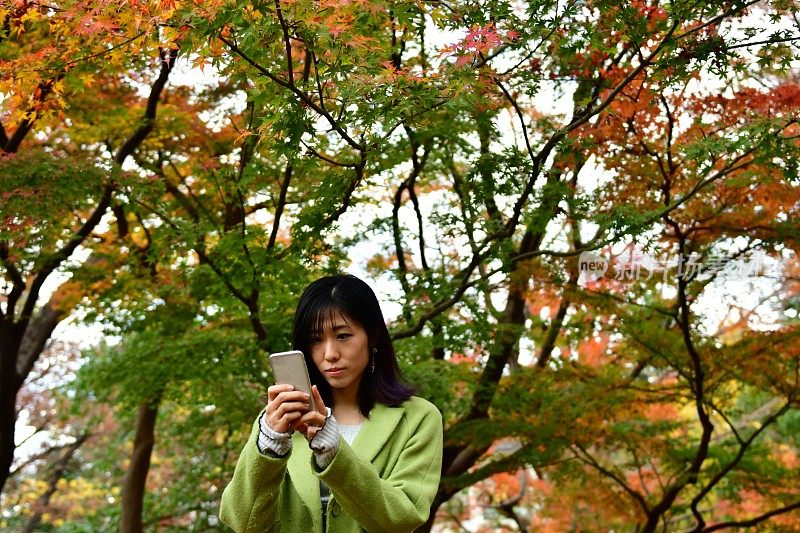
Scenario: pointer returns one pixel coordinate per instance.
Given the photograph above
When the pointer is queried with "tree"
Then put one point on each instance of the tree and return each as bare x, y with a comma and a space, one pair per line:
54, 197
352, 128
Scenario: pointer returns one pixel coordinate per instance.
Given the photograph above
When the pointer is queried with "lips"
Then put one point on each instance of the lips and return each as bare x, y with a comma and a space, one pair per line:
334, 371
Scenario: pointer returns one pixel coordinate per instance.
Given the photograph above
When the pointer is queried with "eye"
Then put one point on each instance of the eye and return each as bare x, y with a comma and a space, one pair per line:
314, 340
344, 336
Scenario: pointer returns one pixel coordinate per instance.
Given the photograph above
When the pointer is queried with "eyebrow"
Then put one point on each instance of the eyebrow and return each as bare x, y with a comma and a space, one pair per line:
335, 328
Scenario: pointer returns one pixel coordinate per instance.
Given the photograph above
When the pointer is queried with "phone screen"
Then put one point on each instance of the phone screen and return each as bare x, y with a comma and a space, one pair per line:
290, 368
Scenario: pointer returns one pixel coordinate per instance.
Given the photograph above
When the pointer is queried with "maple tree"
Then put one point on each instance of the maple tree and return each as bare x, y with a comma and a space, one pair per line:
483, 167
57, 183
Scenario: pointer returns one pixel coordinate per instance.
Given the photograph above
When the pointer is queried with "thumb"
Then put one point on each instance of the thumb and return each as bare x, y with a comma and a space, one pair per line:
318, 402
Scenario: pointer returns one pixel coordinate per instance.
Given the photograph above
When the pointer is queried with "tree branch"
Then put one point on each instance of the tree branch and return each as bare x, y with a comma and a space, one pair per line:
58, 472
717, 19
105, 200
287, 176
359, 176
36, 334
753, 521
286, 41
43, 90
418, 165
591, 461
326, 158
146, 126
61, 255
300, 94
402, 268
732, 464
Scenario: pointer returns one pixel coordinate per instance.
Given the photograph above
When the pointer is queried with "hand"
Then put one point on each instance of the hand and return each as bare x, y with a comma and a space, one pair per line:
285, 407
311, 422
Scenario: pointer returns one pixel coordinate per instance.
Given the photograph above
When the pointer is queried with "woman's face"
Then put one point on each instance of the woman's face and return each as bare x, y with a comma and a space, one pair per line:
341, 352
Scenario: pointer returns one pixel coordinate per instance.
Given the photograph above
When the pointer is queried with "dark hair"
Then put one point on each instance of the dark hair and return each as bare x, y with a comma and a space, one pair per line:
350, 297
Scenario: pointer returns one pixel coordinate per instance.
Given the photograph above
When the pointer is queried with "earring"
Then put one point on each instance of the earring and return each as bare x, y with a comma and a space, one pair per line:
372, 364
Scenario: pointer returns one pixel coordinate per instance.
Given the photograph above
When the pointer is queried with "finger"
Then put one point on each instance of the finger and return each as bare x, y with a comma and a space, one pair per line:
320, 405
289, 397
292, 417
289, 407
293, 396
312, 418
312, 432
284, 423
279, 406
274, 390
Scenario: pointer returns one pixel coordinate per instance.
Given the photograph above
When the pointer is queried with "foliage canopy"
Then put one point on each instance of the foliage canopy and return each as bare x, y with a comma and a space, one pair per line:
211, 158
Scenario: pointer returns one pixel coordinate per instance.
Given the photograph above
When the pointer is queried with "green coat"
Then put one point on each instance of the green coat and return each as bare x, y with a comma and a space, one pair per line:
385, 482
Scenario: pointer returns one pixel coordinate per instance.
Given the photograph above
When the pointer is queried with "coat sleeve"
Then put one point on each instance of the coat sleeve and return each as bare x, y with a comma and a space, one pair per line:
402, 501
250, 501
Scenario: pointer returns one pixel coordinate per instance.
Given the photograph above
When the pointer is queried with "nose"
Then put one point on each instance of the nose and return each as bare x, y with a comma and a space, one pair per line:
331, 350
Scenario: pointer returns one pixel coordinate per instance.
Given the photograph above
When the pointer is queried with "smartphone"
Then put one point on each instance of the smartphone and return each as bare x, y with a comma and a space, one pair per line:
290, 368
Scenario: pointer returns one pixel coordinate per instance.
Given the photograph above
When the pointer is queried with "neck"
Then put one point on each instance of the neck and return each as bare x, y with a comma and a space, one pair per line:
345, 405
345, 398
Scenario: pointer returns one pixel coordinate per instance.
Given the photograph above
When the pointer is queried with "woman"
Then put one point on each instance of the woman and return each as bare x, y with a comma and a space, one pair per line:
370, 462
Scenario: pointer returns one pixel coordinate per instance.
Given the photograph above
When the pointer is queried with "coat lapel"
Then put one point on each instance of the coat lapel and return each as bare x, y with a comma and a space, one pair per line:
376, 430
306, 484
373, 435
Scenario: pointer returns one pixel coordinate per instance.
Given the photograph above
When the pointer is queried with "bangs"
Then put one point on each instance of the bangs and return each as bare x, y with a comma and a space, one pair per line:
319, 315
326, 316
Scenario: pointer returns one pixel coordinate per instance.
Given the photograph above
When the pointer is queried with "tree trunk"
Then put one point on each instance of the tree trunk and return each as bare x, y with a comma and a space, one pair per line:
39, 331
21, 344
133, 488
10, 341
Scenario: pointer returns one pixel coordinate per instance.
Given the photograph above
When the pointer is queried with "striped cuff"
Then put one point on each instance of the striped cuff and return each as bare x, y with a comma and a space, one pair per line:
325, 443
270, 442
